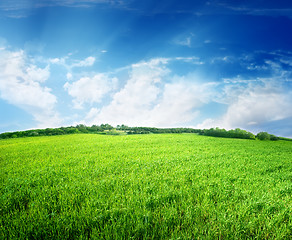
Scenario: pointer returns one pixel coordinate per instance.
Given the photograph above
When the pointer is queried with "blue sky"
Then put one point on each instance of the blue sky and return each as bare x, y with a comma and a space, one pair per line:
164, 63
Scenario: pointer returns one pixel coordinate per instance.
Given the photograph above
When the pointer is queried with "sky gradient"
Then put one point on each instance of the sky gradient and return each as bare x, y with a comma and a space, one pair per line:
164, 63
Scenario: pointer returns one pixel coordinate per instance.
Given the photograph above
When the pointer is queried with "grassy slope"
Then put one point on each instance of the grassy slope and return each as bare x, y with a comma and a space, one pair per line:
145, 186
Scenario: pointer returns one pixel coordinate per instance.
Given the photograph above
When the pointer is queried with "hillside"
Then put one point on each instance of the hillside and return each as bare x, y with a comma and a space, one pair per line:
155, 186
126, 130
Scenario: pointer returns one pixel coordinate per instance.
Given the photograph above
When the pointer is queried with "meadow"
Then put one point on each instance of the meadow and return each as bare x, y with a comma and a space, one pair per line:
155, 186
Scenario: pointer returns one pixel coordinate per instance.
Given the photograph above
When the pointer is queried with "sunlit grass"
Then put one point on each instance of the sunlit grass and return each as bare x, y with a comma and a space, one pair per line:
145, 187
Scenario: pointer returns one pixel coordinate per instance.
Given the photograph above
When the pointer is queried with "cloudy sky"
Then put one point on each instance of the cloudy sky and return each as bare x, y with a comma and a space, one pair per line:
166, 63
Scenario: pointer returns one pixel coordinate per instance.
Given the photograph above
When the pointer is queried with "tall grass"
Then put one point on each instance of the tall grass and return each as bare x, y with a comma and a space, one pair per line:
172, 186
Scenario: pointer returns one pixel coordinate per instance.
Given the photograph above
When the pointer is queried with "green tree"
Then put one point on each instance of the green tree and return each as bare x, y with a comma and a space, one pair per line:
263, 136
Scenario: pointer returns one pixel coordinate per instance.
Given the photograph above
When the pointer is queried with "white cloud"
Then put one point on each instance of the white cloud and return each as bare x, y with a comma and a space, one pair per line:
193, 60
253, 104
185, 42
91, 115
152, 97
177, 106
84, 63
20, 85
69, 76
185, 39
226, 59
11, 6
87, 62
90, 89
56, 60
38, 74
132, 103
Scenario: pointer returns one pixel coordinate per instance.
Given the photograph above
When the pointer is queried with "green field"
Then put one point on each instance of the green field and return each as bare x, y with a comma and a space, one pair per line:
164, 186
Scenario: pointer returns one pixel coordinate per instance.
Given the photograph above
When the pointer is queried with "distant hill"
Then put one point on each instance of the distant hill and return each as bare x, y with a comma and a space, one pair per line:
123, 130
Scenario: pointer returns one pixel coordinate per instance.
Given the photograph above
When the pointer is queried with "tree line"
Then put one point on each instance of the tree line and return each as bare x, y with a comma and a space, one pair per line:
239, 133
123, 129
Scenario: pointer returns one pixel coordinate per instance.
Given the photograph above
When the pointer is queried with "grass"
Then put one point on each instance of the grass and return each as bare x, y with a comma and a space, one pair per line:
168, 186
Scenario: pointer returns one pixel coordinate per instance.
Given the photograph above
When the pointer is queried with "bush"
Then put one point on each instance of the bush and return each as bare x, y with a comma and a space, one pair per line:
263, 136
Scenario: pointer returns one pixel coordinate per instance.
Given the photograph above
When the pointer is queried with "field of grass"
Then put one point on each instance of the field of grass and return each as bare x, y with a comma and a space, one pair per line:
167, 186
